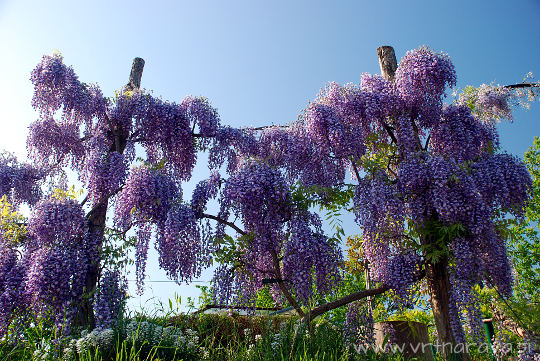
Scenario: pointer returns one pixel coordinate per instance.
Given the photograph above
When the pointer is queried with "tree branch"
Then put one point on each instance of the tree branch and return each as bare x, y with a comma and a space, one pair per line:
355, 168
118, 232
319, 310
284, 288
389, 167
84, 200
522, 85
389, 131
416, 133
427, 142
103, 200
220, 220
270, 126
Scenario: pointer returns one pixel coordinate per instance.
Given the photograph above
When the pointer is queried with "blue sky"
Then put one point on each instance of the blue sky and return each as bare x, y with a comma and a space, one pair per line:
258, 62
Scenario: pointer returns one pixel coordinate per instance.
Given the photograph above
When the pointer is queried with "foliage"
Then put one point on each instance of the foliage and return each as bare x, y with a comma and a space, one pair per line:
516, 317
523, 235
11, 222
429, 187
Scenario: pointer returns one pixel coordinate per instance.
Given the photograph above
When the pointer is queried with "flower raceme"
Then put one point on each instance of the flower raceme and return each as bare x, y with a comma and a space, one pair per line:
412, 158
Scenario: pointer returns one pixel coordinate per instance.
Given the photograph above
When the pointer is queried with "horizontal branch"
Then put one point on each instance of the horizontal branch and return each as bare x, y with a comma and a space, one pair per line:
270, 126
118, 232
138, 140
319, 310
389, 129
522, 85
227, 223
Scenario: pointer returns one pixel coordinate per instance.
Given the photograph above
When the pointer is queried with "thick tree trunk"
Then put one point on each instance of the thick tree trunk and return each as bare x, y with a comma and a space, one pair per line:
439, 293
96, 225
436, 273
98, 215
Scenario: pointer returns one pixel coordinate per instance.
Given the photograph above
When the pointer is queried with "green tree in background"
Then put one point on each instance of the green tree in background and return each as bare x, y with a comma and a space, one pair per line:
524, 238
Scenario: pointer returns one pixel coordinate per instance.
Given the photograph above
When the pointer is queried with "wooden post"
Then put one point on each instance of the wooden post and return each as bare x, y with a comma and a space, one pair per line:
387, 61
411, 336
135, 75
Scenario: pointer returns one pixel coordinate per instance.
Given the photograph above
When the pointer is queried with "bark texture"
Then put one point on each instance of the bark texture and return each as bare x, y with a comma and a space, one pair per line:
387, 61
439, 296
436, 273
136, 74
97, 216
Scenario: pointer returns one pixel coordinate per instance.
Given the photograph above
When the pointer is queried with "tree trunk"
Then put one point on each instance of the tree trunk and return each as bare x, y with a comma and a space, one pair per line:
98, 215
96, 228
439, 294
436, 273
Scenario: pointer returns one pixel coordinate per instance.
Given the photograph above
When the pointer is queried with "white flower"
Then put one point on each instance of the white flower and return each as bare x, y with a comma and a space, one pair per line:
69, 351
145, 331
82, 345
131, 330
158, 335
92, 339
169, 334
37, 354
106, 338
258, 338
192, 337
180, 341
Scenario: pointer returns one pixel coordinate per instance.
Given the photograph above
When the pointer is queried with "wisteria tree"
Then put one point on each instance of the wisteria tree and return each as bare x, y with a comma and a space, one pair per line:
427, 180
430, 185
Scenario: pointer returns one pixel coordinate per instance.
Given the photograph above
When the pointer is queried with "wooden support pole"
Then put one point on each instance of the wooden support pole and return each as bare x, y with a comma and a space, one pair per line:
135, 75
387, 61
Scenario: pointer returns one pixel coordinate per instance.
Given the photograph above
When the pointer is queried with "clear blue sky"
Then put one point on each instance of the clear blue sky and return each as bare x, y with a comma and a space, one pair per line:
259, 62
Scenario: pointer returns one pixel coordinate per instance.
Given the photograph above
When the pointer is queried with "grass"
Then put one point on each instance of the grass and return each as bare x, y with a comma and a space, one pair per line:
188, 337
